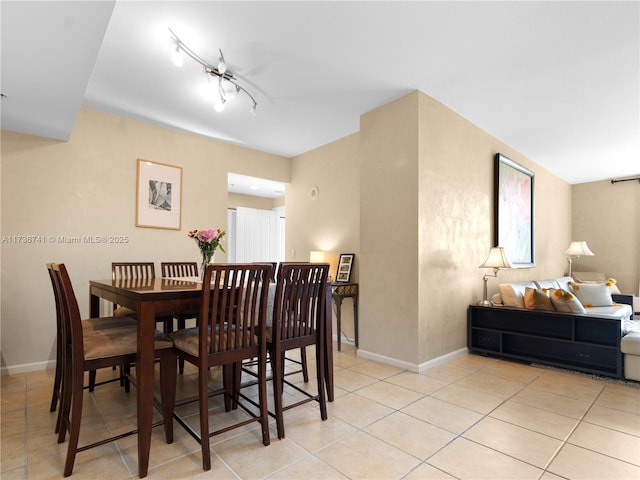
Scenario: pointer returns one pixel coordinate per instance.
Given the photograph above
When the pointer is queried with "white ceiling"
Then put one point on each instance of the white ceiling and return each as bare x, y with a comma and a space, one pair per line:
257, 187
557, 81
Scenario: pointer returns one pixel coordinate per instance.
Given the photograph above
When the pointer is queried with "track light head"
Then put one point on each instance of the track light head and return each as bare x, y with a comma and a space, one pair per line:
178, 56
222, 65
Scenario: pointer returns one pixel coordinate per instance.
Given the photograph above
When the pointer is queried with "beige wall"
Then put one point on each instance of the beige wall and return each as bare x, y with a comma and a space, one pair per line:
427, 183
86, 186
607, 217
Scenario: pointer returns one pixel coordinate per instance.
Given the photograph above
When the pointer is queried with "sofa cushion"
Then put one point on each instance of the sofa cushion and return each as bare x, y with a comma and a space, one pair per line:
580, 277
535, 299
592, 294
564, 301
513, 293
563, 283
630, 343
546, 284
630, 325
618, 311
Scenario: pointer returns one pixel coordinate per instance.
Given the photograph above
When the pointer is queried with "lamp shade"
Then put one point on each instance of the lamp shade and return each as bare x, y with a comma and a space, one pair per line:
497, 258
579, 249
316, 256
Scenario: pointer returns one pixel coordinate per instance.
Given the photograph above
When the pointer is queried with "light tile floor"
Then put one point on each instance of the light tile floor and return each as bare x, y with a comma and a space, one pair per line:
470, 418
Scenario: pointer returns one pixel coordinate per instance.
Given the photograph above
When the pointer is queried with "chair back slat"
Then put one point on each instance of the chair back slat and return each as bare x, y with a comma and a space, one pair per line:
299, 300
132, 270
234, 307
179, 269
57, 299
71, 319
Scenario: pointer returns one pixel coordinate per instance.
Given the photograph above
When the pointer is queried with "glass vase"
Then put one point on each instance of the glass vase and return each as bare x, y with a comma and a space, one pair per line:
207, 258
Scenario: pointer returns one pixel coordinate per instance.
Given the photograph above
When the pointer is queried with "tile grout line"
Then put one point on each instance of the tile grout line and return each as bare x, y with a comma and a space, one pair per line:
575, 427
24, 431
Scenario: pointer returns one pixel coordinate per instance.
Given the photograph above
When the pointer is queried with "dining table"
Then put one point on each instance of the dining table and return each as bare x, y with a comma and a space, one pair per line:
149, 298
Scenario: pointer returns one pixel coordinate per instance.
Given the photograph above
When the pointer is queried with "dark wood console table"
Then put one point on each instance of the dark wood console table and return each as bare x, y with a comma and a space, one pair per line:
578, 342
340, 291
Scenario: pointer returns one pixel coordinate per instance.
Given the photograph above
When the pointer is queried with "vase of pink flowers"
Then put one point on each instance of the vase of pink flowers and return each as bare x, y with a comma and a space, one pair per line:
208, 241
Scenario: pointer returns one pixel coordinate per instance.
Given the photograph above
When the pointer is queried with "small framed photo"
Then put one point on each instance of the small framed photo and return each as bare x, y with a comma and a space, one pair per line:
344, 267
158, 195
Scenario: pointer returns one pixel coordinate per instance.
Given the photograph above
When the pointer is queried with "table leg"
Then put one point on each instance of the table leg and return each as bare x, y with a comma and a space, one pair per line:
144, 378
338, 300
355, 318
94, 306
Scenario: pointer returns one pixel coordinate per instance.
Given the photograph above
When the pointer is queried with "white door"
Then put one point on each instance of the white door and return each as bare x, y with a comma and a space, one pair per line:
246, 241
257, 236
266, 235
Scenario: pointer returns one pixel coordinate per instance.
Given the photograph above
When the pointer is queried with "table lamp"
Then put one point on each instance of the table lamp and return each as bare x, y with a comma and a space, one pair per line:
496, 259
317, 256
577, 250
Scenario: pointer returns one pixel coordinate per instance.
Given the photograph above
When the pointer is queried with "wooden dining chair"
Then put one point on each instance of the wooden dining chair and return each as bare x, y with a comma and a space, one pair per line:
57, 381
94, 344
298, 322
131, 271
88, 325
181, 269
300, 361
137, 271
232, 328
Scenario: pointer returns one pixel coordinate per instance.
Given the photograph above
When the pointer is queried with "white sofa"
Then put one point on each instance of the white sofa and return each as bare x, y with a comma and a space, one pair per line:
530, 295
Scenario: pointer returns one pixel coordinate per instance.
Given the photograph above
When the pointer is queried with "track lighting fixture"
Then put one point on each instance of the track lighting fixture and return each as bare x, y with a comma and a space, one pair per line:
228, 86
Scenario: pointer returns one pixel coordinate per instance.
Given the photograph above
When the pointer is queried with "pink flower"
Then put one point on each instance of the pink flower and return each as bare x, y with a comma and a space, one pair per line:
207, 235
208, 240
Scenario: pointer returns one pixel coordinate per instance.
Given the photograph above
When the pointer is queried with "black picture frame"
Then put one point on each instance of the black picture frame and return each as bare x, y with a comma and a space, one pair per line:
514, 211
345, 266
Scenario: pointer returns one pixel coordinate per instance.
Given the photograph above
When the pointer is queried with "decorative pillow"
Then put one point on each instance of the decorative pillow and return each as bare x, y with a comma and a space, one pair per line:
611, 283
496, 299
535, 299
592, 294
564, 301
513, 293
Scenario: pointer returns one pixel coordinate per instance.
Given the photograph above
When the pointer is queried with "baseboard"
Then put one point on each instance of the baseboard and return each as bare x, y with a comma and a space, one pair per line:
412, 367
343, 340
28, 367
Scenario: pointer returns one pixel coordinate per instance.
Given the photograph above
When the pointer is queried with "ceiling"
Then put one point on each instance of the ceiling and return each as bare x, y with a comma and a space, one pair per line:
557, 81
